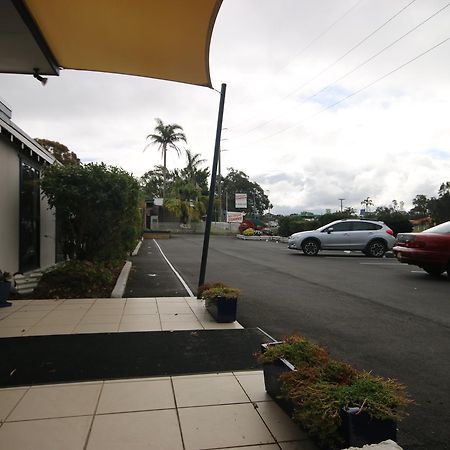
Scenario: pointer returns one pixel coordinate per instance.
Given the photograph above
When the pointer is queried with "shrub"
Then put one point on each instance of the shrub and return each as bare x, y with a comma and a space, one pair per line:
78, 279
249, 232
97, 209
321, 387
293, 224
220, 291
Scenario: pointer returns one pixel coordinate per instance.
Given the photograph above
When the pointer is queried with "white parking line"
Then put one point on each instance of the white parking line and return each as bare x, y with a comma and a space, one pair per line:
381, 264
174, 271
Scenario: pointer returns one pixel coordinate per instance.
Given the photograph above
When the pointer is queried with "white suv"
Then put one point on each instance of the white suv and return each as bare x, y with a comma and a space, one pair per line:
371, 237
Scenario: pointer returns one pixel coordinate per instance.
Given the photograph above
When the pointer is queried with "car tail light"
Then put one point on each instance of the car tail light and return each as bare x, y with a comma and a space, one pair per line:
389, 231
412, 242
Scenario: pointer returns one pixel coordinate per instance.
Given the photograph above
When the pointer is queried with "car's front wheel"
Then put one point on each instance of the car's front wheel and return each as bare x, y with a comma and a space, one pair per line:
310, 247
376, 249
434, 271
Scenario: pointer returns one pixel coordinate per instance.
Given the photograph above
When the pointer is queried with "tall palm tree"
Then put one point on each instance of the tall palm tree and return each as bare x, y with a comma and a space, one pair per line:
165, 137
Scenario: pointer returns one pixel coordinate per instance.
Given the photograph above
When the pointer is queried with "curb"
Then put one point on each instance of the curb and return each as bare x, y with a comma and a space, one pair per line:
121, 282
138, 246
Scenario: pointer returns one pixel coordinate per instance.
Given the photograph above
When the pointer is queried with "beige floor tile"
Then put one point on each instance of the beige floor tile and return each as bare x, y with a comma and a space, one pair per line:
213, 325
129, 327
23, 314
141, 300
255, 447
253, 385
172, 309
33, 307
279, 423
170, 299
44, 302
62, 318
142, 319
51, 434
140, 309
136, 431
57, 401
49, 330
298, 445
100, 318
8, 400
136, 396
75, 301
96, 328
108, 302
12, 322
172, 326
178, 317
222, 426
73, 307
208, 390
12, 332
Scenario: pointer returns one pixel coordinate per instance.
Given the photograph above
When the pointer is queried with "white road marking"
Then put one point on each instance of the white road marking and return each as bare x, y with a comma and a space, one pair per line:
381, 264
174, 271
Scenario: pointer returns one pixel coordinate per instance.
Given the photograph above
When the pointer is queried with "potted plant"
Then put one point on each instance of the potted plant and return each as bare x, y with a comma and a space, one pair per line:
5, 288
337, 405
220, 301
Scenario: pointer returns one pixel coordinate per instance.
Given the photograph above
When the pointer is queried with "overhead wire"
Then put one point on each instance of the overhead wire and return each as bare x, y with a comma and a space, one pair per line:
313, 41
367, 86
300, 88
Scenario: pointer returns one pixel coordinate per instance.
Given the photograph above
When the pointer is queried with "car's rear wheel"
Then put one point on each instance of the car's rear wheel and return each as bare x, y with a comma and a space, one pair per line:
376, 249
310, 247
434, 271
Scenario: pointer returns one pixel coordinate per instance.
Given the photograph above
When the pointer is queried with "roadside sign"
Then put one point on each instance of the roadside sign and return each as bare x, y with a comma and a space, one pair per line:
240, 200
234, 217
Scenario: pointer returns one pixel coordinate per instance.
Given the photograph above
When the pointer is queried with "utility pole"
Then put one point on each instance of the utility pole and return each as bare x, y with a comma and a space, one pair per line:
341, 200
212, 188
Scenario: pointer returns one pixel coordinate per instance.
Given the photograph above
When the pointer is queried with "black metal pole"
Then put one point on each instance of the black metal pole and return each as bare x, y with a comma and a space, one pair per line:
201, 278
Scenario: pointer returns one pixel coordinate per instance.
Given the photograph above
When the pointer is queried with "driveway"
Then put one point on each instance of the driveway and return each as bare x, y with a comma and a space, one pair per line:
377, 314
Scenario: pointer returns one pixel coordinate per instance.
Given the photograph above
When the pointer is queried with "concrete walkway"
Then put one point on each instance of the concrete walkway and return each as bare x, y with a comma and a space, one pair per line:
205, 411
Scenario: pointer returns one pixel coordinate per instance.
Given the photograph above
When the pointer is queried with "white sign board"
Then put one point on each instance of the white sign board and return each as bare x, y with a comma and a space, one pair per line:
240, 200
158, 201
234, 217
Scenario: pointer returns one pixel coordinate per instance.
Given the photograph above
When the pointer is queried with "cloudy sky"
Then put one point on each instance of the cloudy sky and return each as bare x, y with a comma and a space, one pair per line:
325, 99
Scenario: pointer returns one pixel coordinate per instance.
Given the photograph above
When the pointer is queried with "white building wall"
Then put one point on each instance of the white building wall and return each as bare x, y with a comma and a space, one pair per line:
9, 208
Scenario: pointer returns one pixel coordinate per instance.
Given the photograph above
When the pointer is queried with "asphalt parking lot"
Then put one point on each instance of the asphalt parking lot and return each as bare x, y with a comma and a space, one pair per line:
377, 314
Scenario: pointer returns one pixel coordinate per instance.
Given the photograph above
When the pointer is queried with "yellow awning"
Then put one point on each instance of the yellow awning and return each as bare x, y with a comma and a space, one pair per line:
165, 39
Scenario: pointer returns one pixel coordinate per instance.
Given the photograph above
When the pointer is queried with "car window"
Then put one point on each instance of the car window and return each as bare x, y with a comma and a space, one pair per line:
365, 226
341, 226
443, 228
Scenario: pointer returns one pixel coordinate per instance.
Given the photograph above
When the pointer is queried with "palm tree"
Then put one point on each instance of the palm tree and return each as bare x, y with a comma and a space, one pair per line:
367, 202
165, 137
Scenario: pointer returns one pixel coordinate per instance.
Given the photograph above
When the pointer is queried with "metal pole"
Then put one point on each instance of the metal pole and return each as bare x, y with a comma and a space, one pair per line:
201, 279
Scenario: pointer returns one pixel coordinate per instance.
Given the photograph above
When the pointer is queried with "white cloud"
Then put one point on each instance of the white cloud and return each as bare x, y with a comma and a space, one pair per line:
388, 142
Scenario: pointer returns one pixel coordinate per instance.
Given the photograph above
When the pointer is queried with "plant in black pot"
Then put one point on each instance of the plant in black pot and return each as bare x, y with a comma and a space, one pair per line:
5, 289
220, 301
338, 405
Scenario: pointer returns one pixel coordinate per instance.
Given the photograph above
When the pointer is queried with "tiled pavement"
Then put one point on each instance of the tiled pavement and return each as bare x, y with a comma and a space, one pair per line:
208, 411
105, 315
225, 410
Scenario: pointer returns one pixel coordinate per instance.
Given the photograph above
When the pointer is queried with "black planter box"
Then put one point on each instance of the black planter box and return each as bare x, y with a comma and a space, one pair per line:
360, 429
222, 309
357, 429
272, 374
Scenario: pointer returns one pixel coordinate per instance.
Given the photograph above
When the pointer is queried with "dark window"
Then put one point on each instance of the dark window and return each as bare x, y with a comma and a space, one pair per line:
365, 226
29, 247
342, 226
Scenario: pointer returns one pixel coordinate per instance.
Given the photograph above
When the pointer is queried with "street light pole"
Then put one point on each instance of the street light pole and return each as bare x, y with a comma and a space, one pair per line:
341, 200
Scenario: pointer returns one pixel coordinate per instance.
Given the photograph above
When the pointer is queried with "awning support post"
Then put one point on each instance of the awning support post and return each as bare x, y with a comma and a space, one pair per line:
201, 279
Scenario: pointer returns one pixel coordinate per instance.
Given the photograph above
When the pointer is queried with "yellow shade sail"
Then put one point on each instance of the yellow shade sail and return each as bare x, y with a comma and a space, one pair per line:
165, 39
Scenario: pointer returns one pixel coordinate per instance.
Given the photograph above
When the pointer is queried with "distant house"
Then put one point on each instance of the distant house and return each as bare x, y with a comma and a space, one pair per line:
27, 226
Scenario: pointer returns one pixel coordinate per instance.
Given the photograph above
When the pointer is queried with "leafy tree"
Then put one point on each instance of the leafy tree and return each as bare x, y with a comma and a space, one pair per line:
152, 181
394, 218
324, 219
440, 207
59, 151
238, 182
194, 174
166, 137
98, 209
421, 206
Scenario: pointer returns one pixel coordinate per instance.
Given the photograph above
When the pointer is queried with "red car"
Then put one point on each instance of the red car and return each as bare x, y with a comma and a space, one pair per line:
429, 250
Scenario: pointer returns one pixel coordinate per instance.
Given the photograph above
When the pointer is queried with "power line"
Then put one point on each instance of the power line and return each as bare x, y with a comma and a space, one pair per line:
313, 41
300, 88
356, 92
